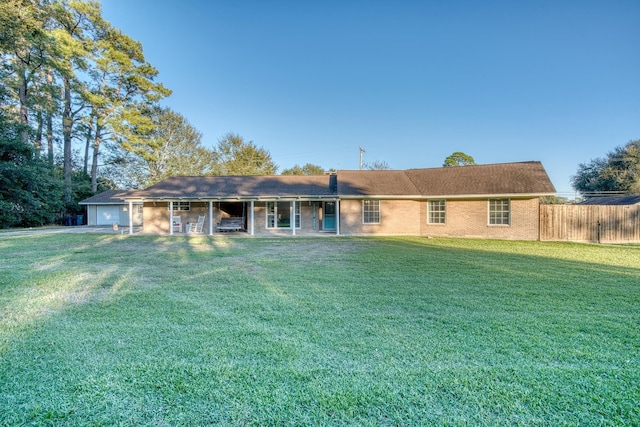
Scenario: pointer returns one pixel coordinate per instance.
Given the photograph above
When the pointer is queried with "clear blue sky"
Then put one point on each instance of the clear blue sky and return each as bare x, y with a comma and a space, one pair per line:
410, 81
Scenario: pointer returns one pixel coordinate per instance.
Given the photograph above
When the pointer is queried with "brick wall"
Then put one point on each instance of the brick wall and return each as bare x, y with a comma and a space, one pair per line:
156, 217
464, 218
470, 218
397, 218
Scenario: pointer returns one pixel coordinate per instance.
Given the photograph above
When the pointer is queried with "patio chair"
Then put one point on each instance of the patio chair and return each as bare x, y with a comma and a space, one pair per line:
197, 227
177, 223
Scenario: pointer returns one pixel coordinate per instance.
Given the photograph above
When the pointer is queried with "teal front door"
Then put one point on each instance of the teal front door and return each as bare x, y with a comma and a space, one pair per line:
329, 216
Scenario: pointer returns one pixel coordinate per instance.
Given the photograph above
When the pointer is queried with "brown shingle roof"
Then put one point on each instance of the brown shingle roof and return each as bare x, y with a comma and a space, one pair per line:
495, 179
506, 179
612, 200
238, 186
525, 178
375, 183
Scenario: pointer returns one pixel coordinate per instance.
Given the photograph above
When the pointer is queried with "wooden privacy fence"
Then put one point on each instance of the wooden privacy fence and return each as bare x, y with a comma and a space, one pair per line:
590, 223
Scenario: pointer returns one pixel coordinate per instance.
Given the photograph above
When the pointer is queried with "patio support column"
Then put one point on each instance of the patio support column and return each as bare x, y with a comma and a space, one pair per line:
292, 217
337, 217
210, 217
130, 216
252, 218
171, 218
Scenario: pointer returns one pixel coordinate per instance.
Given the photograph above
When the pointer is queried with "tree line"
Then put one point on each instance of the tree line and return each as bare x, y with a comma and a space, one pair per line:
80, 113
616, 173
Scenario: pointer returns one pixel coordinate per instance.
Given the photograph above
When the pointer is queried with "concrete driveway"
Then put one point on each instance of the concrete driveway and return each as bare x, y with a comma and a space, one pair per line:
82, 229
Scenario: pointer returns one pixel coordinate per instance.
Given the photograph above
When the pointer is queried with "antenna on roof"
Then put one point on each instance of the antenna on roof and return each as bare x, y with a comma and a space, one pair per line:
362, 151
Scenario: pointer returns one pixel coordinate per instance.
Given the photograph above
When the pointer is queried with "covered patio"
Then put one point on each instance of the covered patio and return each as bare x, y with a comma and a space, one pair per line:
253, 217
255, 205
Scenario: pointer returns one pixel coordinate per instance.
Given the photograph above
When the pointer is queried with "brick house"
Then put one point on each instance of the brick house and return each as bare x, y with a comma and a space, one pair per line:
486, 201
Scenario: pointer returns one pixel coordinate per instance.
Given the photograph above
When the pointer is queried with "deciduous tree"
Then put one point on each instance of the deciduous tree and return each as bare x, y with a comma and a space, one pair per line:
619, 171
235, 156
171, 147
458, 158
307, 169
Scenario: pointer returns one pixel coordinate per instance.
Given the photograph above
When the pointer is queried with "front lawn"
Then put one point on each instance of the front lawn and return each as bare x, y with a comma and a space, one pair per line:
138, 330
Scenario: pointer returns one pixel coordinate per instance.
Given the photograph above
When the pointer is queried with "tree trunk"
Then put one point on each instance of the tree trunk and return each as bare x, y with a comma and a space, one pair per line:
49, 112
24, 111
37, 142
88, 144
94, 160
67, 127
50, 138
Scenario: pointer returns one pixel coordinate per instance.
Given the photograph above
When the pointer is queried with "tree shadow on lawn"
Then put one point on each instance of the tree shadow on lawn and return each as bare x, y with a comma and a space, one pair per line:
51, 291
317, 322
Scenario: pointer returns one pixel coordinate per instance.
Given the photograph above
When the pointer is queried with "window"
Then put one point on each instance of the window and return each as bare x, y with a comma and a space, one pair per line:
499, 212
279, 214
297, 213
139, 209
181, 206
271, 215
436, 212
371, 211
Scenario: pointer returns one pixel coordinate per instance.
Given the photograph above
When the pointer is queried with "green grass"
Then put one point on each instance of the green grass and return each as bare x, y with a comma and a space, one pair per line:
119, 330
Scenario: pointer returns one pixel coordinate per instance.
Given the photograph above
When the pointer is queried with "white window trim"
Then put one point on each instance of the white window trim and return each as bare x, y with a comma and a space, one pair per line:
267, 214
379, 212
508, 224
179, 206
429, 211
297, 215
297, 212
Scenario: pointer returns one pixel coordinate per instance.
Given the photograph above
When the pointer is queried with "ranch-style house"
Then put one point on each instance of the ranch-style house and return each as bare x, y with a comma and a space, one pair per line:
486, 201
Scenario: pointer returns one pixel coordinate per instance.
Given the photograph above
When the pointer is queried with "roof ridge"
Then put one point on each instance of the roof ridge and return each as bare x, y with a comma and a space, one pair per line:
478, 165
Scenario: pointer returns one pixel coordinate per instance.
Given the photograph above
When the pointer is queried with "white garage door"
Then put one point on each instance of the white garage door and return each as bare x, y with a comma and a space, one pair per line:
108, 215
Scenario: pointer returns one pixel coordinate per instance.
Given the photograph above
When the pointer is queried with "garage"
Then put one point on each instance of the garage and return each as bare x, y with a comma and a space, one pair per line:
109, 207
108, 215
